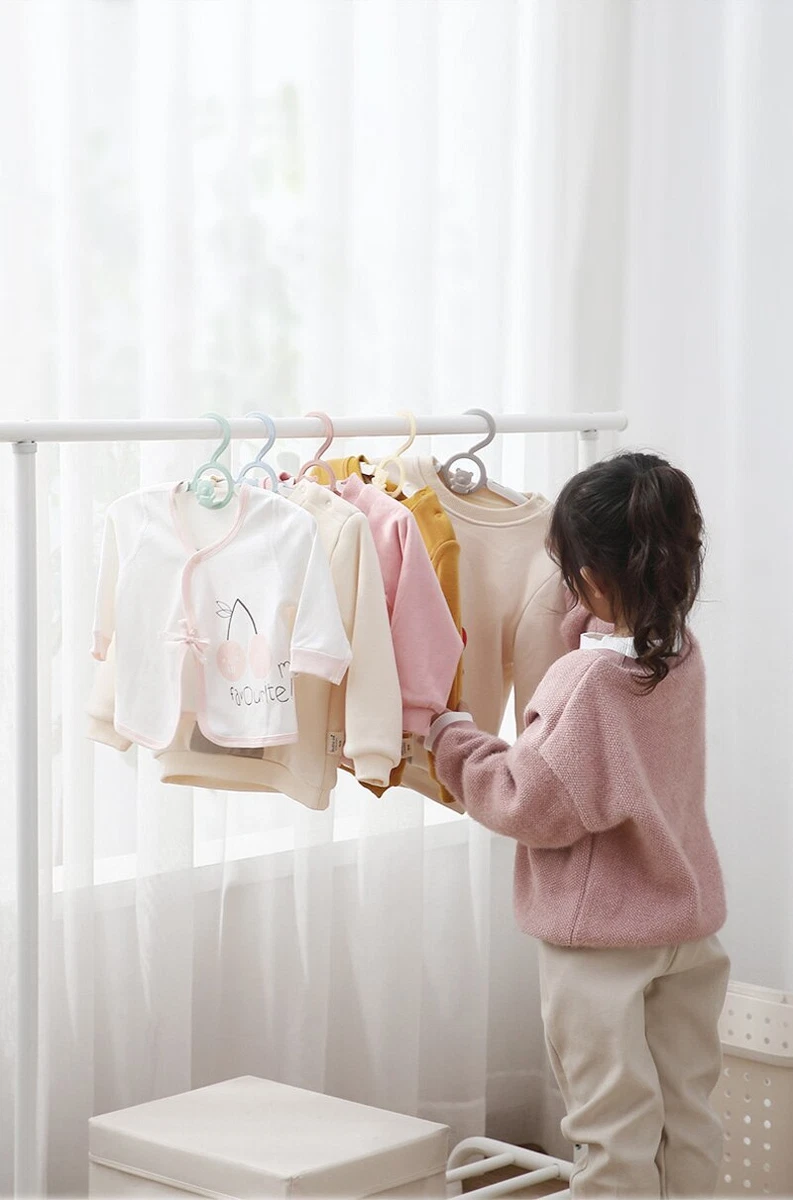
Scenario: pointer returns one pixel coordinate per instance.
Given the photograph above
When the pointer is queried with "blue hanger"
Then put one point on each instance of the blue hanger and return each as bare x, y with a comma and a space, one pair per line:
258, 461
205, 488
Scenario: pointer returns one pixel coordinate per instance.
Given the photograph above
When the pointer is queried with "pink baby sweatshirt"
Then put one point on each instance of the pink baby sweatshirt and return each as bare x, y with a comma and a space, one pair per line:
604, 792
427, 646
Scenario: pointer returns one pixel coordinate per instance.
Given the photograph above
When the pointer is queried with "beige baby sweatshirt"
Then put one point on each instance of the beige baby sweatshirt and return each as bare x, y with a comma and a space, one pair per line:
362, 716
513, 604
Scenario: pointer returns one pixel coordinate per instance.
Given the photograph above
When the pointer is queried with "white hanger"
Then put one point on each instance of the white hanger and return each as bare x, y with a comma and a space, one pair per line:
380, 478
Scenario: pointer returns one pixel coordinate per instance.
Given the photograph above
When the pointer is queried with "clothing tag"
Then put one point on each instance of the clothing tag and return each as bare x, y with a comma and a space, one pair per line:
407, 747
335, 743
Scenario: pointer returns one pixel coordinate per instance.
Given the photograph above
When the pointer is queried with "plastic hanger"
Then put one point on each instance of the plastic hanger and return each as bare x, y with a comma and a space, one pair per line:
205, 491
380, 478
463, 482
258, 462
317, 461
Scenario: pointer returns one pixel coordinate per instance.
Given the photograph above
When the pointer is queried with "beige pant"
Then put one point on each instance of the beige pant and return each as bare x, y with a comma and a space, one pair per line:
634, 1045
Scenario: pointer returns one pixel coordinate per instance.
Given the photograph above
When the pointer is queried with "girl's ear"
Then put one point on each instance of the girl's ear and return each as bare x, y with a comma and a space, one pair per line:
593, 587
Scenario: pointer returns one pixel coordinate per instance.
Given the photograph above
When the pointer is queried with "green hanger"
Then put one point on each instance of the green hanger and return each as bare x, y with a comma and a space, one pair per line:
204, 488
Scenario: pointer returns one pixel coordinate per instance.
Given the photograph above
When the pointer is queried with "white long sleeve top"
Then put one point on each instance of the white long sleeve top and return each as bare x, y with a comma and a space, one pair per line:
217, 625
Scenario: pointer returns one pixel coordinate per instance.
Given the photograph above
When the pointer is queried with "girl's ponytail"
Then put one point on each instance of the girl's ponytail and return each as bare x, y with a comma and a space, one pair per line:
635, 522
663, 570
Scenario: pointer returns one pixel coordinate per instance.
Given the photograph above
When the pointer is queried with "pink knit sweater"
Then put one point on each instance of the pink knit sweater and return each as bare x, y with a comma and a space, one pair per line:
604, 792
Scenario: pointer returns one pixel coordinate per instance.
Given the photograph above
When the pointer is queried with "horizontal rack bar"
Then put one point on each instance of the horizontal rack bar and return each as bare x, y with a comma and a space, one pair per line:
166, 429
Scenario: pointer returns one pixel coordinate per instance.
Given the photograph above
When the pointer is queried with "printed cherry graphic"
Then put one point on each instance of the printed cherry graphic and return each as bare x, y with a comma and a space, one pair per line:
231, 660
231, 655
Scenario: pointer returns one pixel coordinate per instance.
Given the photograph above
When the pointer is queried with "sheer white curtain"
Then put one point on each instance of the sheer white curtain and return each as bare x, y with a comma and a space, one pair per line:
359, 206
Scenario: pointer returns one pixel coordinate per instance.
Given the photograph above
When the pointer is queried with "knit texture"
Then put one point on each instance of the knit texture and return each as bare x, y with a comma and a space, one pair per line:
604, 792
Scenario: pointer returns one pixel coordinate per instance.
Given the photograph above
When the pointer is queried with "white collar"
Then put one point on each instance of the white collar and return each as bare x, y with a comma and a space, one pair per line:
609, 641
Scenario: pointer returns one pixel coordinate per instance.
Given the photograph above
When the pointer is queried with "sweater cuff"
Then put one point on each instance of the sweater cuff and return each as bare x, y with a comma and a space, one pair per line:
443, 722
373, 768
105, 732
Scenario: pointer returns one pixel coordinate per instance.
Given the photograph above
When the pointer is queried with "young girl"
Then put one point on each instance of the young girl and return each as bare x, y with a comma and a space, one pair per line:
616, 872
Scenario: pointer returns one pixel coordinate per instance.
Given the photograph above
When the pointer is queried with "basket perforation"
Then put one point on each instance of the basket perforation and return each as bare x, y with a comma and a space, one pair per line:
755, 1092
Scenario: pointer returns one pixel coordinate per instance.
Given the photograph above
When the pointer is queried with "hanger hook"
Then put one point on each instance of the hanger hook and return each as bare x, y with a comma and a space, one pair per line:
317, 460
203, 488
491, 428
269, 425
328, 429
225, 433
381, 471
411, 420
258, 461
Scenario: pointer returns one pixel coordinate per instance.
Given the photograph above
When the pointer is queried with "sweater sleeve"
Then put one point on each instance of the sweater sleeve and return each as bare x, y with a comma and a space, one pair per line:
509, 789
426, 642
539, 640
102, 702
571, 772
319, 643
373, 703
105, 603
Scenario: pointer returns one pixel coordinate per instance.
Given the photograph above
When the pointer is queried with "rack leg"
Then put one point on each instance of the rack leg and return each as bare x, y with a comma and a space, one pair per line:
588, 447
26, 1173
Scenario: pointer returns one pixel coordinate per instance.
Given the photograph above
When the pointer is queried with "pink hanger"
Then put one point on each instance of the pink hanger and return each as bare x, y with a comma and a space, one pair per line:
317, 461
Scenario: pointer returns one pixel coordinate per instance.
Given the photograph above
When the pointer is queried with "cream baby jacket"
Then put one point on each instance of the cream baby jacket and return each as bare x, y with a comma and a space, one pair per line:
362, 715
218, 629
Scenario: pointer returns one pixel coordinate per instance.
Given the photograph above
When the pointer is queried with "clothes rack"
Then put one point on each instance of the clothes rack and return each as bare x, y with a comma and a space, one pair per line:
25, 436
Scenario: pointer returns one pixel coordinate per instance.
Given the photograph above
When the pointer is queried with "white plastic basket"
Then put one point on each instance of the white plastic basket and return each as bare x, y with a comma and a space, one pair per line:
754, 1096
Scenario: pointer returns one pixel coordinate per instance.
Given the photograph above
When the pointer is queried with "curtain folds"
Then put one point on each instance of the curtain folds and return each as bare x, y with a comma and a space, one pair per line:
510, 204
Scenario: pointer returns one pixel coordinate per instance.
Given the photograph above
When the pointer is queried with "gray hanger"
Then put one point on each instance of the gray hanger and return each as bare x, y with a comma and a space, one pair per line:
461, 481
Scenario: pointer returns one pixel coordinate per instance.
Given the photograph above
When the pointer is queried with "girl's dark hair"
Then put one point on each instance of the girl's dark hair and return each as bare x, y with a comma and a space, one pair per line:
635, 522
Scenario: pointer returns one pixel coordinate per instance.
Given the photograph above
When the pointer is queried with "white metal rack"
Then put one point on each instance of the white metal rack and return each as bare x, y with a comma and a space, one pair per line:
477, 1156
25, 436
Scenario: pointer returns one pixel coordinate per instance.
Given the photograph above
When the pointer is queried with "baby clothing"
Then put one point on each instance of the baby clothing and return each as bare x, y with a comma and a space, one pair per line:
604, 792
443, 549
513, 604
367, 710
245, 611
427, 646
439, 541
362, 716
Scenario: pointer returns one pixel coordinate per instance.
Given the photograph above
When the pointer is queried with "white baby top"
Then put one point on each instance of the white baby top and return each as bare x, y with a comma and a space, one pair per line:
362, 715
214, 611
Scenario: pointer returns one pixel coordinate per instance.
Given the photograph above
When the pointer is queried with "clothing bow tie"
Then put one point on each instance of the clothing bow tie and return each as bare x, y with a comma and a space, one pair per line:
190, 637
